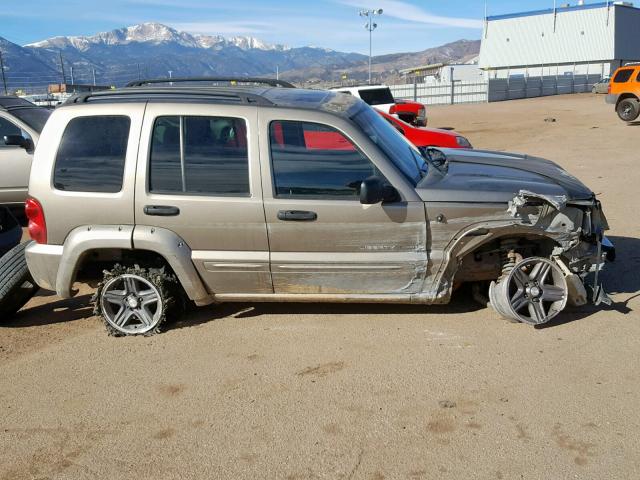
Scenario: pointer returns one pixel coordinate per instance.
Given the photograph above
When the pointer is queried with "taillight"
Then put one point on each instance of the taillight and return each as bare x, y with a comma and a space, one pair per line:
37, 224
609, 87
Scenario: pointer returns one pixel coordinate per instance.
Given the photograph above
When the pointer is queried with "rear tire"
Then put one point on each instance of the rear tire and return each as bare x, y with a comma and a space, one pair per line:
137, 301
628, 109
17, 286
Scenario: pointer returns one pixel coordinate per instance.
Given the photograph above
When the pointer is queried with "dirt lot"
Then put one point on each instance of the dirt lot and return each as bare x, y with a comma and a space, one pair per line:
357, 391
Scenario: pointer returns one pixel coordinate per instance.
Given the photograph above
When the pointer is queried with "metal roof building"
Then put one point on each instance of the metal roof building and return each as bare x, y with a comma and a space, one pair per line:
580, 39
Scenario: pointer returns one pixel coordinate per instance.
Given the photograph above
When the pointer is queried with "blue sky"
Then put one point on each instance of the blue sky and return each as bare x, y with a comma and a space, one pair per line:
406, 25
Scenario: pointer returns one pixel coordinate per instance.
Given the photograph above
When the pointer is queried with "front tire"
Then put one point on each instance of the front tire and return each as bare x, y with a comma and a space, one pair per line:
628, 109
533, 292
136, 301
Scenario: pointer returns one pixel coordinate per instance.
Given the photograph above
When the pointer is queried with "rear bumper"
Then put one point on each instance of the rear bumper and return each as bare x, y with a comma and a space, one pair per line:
611, 98
43, 262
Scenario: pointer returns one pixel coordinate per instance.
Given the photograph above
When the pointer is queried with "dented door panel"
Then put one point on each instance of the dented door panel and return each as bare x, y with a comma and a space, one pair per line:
349, 248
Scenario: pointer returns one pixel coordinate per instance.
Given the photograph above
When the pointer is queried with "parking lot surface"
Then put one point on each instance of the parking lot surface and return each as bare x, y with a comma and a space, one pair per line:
299, 391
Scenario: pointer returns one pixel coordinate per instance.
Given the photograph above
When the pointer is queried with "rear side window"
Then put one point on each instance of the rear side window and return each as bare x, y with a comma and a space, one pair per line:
92, 154
376, 96
623, 76
311, 160
196, 155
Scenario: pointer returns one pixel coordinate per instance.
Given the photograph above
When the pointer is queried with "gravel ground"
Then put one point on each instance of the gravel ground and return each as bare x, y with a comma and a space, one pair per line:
352, 391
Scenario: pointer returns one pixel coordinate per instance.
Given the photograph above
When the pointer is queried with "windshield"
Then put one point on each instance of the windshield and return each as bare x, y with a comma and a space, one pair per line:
34, 117
392, 143
377, 96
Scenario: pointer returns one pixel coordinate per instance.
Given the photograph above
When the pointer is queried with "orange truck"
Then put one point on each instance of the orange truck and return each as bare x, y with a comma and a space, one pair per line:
624, 92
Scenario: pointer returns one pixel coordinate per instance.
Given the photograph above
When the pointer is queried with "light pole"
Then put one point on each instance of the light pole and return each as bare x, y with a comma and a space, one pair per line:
370, 26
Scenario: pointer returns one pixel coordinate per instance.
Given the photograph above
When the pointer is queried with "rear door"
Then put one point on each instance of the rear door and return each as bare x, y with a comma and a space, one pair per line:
322, 239
199, 176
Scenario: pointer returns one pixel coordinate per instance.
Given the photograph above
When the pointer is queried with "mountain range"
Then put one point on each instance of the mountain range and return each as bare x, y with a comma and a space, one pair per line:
153, 50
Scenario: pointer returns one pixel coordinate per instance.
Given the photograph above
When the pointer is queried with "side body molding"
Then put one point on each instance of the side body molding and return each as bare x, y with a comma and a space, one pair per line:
82, 240
177, 254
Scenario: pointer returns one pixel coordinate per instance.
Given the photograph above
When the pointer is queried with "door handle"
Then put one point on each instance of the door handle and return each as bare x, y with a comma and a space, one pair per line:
161, 210
297, 215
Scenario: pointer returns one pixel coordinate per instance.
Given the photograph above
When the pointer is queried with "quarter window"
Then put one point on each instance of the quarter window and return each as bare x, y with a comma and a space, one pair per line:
310, 160
623, 76
196, 155
92, 154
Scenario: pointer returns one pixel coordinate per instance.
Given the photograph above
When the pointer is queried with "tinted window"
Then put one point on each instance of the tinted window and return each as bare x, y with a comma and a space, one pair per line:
92, 153
313, 160
199, 155
377, 96
623, 75
34, 117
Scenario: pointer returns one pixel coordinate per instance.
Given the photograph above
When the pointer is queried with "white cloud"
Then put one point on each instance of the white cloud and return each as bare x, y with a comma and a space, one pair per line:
406, 11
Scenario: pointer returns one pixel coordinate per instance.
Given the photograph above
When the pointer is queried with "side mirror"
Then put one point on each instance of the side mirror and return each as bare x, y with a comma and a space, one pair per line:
375, 190
18, 141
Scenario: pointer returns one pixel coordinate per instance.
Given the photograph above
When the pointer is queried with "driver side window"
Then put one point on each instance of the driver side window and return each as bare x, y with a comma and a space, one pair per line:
311, 160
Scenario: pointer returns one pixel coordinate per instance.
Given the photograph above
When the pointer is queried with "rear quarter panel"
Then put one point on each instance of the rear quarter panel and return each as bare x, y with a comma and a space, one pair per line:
66, 210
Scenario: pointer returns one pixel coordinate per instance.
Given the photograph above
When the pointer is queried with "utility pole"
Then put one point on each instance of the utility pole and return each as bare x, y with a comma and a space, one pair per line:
277, 72
139, 77
72, 82
93, 70
64, 78
4, 79
370, 26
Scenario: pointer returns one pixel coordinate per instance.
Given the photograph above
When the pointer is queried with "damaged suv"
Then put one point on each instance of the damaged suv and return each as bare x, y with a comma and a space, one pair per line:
227, 194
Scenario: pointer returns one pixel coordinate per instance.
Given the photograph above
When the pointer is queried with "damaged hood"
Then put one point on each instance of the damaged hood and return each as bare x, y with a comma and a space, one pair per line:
496, 177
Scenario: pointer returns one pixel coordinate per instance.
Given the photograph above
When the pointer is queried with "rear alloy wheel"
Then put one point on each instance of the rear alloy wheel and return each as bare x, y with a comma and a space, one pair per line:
533, 292
135, 301
628, 109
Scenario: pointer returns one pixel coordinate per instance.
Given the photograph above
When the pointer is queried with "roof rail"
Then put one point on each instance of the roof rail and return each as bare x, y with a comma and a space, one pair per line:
272, 82
631, 63
216, 95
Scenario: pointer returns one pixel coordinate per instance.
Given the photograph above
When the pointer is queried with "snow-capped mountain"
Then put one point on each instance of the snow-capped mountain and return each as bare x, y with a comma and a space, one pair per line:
154, 33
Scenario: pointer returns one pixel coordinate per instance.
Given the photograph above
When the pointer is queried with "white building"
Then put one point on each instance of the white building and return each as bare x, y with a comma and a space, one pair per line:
580, 39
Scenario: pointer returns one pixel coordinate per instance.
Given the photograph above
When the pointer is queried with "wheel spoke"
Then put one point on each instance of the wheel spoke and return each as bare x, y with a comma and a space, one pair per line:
518, 300
147, 297
144, 316
543, 272
130, 285
552, 293
115, 296
520, 278
536, 311
122, 316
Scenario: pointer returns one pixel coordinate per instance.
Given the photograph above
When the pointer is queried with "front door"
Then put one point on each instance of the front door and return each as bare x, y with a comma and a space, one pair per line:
15, 164
322, 239
199, 176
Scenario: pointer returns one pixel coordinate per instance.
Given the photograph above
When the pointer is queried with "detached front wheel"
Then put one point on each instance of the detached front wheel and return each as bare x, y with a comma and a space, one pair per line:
533, 292
135, 301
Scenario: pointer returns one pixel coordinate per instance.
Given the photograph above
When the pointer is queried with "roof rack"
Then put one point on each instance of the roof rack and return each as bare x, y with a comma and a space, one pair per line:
272, 82
215, 95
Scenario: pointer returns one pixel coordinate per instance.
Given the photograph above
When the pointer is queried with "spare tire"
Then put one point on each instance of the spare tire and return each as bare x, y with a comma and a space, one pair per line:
16, 283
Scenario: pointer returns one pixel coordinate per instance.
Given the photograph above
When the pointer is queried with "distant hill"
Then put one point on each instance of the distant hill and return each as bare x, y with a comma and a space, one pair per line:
153, 50
386, 67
